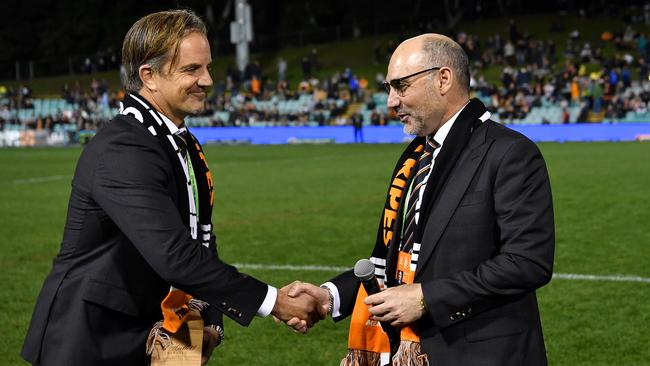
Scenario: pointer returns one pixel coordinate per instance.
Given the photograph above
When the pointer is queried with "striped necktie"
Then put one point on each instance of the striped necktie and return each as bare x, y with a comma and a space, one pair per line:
419, 181
181, 141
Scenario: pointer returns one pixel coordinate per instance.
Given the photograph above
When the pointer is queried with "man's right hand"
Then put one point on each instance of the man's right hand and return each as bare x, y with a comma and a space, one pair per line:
300, 312
320, 295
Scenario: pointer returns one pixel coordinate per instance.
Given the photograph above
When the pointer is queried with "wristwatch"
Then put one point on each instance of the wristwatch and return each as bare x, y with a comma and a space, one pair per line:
219, 331
331, 298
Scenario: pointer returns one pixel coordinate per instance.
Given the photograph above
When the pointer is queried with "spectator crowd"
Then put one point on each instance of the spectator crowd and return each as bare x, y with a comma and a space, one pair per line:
533, 72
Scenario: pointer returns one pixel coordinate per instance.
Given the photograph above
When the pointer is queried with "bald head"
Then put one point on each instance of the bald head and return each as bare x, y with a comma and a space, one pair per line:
434, 50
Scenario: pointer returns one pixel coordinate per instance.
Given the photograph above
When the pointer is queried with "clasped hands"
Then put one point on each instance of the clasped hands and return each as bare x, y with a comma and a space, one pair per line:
398, 306
301, 305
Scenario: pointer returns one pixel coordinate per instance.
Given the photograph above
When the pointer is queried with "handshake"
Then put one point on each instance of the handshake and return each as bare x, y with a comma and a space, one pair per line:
300, 305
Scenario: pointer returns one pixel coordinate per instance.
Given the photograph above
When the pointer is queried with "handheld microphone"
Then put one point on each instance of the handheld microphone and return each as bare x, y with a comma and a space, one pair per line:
365, 272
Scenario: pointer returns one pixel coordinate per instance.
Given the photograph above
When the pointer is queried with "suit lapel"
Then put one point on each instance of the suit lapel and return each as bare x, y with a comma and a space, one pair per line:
451, 194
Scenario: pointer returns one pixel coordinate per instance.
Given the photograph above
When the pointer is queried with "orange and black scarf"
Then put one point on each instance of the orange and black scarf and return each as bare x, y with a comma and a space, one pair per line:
196, 200
368, 344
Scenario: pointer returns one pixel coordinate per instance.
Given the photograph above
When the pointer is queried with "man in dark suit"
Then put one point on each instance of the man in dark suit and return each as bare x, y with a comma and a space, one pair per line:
139, 219
474, 235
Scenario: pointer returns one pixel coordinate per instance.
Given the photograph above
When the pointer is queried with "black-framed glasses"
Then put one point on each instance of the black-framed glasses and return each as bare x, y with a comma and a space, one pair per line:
399, 84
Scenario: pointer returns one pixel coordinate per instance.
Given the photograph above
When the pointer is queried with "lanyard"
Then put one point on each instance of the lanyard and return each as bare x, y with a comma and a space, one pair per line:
195, 193
408, 197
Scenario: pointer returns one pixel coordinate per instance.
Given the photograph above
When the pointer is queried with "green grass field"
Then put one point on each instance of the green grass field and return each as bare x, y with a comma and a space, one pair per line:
319, 205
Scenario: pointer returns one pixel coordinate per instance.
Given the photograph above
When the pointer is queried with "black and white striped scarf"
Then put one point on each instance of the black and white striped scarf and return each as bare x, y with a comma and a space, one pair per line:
176, 305
160, 126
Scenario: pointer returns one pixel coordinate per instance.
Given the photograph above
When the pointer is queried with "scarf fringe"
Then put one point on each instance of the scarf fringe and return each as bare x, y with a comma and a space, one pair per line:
357, 357
157, 334
410, 354
198, 305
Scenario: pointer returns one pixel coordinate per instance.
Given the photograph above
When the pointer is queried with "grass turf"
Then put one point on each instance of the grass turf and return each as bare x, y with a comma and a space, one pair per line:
320, 205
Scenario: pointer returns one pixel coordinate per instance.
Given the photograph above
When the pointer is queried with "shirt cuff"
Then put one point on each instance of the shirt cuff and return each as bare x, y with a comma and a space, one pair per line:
269, 302
336, 310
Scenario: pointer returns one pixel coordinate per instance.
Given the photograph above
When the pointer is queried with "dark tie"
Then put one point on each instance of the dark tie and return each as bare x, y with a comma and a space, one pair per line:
422, 169
181, 141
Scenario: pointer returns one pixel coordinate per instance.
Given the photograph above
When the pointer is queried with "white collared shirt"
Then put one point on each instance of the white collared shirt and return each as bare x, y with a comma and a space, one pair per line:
439, 138
175, 130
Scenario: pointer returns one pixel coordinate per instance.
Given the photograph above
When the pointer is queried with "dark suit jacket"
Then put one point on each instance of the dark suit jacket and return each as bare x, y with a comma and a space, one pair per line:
487, 245
124, 243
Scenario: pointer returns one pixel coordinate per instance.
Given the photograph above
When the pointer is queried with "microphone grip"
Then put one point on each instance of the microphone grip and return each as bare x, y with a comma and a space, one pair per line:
371, 286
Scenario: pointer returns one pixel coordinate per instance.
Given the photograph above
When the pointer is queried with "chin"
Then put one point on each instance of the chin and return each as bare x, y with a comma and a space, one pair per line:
411, 130
415, 127
195, 109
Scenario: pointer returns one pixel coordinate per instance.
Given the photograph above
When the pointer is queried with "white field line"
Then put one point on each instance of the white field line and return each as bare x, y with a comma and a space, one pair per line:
38, 179
590, 277
290, 267
316, 268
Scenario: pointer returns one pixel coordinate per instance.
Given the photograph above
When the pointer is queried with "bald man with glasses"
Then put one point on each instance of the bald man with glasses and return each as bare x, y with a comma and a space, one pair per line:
466, 236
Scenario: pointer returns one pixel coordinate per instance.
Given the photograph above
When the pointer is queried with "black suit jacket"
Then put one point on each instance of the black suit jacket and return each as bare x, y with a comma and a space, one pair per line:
487, 245
125, 242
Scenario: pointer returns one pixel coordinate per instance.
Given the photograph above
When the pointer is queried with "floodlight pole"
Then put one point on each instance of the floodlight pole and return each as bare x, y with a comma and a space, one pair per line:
241, 32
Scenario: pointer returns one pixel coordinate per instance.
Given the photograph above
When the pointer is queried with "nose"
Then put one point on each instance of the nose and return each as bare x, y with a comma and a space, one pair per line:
205, 80
393, 100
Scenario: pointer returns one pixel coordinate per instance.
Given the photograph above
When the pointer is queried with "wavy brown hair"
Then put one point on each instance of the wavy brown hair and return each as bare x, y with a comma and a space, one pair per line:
155, 40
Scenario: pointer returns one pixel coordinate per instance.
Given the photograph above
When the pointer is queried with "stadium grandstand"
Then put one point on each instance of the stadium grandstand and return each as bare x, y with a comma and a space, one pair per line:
571, 70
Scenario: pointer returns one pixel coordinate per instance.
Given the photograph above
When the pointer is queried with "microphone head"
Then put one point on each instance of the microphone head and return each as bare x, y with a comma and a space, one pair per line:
364, 269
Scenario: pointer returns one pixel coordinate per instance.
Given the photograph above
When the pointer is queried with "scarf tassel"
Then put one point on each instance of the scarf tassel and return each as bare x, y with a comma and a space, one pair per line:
357, 357
157, 334
410, 354
198, 305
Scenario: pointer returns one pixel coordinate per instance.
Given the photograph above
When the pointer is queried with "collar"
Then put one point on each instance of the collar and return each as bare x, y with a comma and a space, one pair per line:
440, 135
172, 126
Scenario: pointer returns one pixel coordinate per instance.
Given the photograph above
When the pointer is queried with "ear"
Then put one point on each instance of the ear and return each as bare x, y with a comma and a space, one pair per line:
445, 80
148, 78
